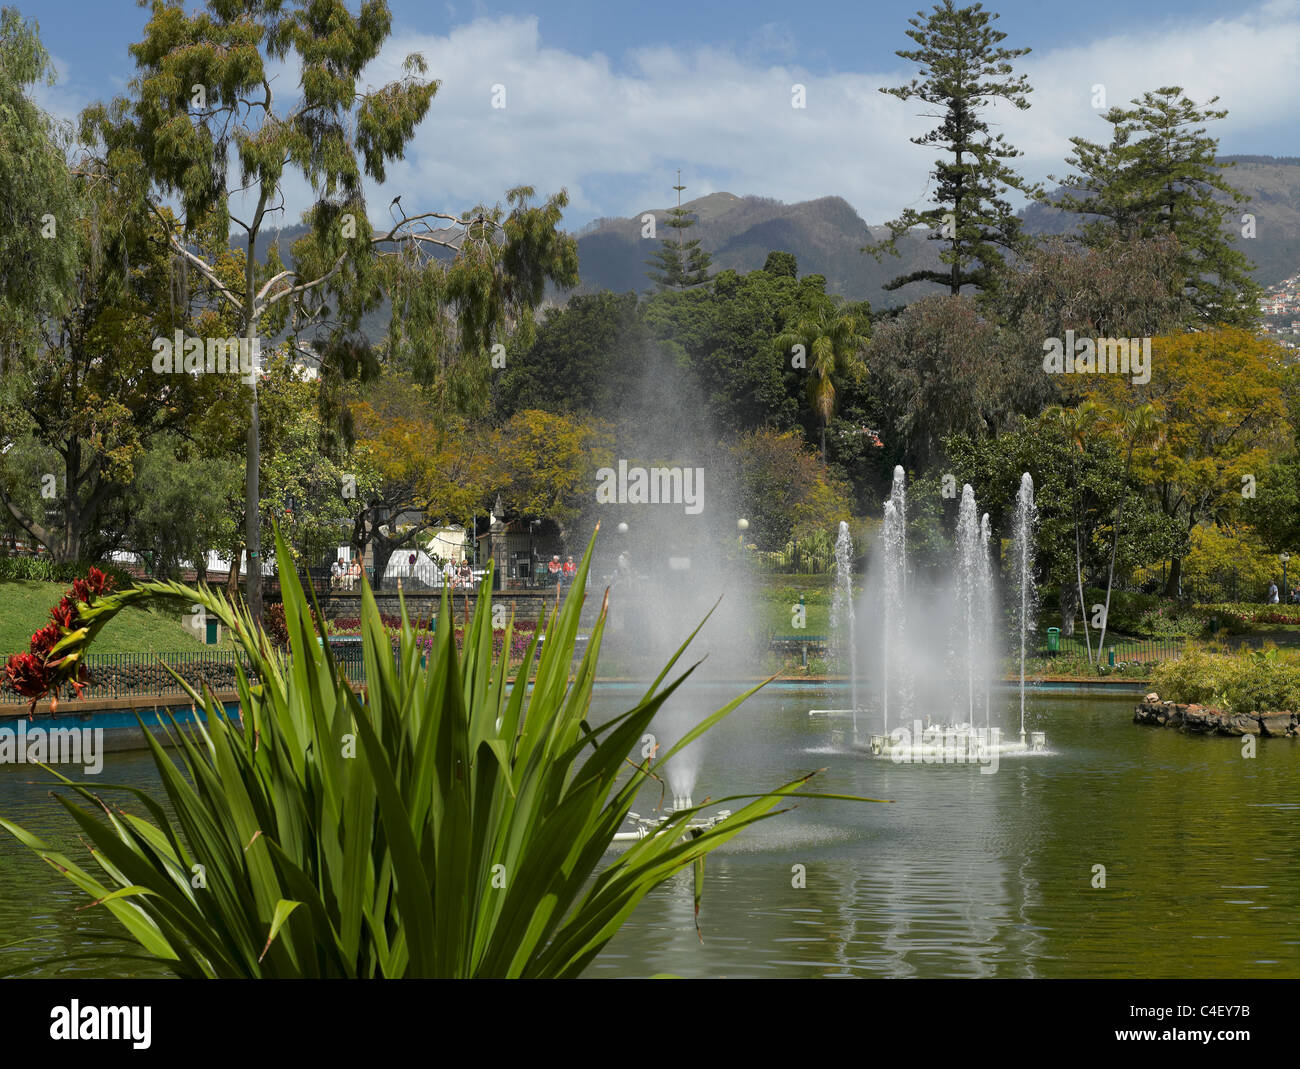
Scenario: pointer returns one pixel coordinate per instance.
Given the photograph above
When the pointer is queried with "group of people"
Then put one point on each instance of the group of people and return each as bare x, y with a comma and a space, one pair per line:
557, 572
344, 576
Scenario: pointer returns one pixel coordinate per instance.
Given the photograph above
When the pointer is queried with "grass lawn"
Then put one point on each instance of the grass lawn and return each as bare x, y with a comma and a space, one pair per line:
25, 607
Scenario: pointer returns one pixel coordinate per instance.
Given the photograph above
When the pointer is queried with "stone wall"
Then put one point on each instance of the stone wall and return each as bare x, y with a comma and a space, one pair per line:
1198, 720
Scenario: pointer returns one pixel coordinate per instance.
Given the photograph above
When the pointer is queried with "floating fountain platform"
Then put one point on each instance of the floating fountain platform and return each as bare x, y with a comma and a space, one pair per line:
642, 827
951, 744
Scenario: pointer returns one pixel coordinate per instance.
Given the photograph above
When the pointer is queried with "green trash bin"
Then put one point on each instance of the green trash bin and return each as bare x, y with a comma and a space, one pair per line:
212, 630
1111, 651
1053, 640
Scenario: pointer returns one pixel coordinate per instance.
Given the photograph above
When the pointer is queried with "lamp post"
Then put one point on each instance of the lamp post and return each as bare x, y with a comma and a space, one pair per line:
742, 525
532, 553
1284, 557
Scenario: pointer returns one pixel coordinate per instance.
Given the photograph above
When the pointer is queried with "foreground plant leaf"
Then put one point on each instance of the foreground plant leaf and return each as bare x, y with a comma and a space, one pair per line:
445, 824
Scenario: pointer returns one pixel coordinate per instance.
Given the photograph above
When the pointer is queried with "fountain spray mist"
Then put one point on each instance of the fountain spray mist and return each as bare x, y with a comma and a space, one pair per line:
1022, 574
893, 553
843, 629
973, 622
667, 565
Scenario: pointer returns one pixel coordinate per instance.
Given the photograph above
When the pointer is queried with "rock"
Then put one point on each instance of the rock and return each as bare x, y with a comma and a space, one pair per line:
1276, 725
1151, 698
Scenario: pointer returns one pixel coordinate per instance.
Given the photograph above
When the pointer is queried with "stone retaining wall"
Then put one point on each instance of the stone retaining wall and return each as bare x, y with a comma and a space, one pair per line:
1198, 720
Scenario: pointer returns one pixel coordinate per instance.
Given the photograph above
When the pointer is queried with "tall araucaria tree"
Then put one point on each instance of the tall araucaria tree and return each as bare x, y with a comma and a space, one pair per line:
204, 128
1159, 177
963, 69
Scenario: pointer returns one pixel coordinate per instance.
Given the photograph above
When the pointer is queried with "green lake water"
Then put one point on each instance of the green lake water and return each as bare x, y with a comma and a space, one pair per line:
963, 875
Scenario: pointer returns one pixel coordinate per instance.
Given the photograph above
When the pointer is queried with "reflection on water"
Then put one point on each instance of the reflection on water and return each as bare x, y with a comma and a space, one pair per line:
970, 875
963, 875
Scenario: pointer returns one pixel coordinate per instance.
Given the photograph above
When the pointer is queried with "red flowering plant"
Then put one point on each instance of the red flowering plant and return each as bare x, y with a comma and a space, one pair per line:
54, 654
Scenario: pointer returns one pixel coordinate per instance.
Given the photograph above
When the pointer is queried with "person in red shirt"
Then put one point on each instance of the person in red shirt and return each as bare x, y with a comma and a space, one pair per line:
570, 570
553, 567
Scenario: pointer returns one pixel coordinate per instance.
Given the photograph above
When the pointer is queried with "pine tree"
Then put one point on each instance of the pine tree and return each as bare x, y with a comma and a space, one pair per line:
963, 68
678, 263
1157, 177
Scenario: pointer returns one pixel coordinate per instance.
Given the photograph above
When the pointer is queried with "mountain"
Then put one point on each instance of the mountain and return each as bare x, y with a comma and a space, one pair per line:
826, 236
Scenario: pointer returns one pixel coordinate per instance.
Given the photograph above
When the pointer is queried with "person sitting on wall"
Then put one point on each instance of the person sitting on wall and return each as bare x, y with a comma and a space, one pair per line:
570, 570
554, 568
336, 573
354, 573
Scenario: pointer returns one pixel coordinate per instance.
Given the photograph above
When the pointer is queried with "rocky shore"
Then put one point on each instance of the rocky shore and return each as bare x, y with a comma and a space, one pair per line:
1199, 720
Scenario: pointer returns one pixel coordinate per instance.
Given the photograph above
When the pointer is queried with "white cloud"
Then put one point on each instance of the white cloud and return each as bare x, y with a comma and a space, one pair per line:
613, 131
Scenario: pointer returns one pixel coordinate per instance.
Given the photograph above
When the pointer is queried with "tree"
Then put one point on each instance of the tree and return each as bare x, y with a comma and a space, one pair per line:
37, 248
426, 468
544, 465
939, 370
1159, 176
833, 339
1218, 398
579, 358
204, 125
723, 332
784, 487
1138, 427
963, 68
81, 396
678, 263
1076, 426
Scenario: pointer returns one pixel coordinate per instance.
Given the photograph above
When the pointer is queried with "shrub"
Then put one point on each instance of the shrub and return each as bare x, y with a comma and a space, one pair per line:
1254, 682
44, 570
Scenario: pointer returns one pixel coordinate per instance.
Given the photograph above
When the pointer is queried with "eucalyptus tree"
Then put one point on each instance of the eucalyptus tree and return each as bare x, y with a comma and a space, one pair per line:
37, 254
1076, 425
204, 128
964, 68
1140, 427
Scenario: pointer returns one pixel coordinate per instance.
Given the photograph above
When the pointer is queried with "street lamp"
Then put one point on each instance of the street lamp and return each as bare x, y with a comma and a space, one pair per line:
742, 525
622, 528
1284, 556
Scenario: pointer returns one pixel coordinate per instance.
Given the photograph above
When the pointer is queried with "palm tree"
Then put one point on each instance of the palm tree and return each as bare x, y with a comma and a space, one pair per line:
1076, 424
833, 345
1141, 428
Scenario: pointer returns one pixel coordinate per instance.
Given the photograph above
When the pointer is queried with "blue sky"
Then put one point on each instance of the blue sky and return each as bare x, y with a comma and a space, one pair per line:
608, 99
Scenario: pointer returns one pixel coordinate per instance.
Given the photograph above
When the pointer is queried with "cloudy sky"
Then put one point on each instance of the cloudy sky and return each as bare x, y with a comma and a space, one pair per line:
608, 100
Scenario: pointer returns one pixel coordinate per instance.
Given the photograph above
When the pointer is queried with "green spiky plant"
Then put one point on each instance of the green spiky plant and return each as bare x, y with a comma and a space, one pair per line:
446, 824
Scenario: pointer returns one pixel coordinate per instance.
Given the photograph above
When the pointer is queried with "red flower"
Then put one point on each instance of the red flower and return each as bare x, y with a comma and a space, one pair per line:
27, 675
98, 582
64, 614
44, 640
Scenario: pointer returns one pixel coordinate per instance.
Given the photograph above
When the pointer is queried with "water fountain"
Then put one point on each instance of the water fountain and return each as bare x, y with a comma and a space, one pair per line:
908, 658
843, 626
1022, 574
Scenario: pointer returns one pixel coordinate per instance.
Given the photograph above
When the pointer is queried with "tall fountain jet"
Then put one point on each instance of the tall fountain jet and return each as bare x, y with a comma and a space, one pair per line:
1022, 575
894, 539
932, 644
974, 616
842, 616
